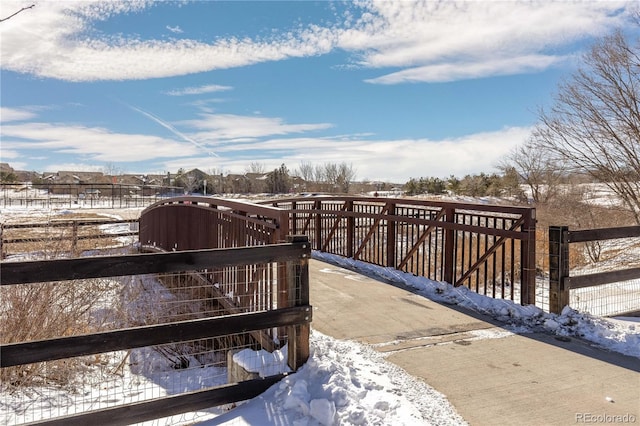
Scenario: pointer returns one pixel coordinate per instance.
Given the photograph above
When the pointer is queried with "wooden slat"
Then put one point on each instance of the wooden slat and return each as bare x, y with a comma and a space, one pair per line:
600, 278
70, 237
136, 337
164, 407
66, 223
603, 234
112, 266
519, 211
519, 235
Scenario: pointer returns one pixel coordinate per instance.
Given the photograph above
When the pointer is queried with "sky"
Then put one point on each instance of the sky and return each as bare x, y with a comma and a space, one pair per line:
394, 89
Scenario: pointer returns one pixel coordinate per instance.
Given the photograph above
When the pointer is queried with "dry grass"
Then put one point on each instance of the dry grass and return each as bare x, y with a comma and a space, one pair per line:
40, 311
569, 210
31, 312
47, 239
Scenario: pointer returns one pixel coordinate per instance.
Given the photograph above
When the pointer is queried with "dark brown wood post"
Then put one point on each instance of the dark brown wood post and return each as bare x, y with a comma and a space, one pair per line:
2, 256
351, 231
294, 218
558, 268
298, 285
528, 260
448, 257
74, 238
317, 205
284, 272
283, 226
215, 227
391, 236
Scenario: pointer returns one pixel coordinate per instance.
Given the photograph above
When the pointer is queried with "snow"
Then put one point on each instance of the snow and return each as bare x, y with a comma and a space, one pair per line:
262, 362
343, 382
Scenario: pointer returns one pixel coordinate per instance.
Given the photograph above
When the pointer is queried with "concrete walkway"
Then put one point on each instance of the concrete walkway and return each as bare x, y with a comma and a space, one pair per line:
491, 376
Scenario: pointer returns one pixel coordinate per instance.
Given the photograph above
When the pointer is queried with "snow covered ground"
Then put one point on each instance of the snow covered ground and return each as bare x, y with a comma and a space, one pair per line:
343, 382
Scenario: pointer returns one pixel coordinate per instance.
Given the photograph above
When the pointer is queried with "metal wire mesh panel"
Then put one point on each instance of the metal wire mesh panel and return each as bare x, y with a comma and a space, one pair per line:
603, 256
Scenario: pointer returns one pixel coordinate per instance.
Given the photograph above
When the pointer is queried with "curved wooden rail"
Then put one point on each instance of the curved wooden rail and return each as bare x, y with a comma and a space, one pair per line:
190, 223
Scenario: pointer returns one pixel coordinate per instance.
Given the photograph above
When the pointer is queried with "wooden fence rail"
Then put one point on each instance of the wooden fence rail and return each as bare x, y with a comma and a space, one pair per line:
560, 279
292, 314
14, 236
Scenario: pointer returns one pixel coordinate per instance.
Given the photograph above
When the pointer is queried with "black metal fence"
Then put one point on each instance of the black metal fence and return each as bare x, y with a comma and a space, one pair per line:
60, 195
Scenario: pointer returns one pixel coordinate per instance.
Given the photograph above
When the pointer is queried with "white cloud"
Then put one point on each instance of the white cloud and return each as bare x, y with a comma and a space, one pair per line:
76, 167
209, 88
8, 153
449, 40
96, 144
219, 127
387, 160
17, 165
54, 39
453, 71
15, 114
173, 130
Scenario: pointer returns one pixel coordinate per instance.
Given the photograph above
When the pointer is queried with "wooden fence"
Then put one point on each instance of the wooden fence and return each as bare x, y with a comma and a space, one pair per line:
488, 248
62, 235
292, 314
562, 281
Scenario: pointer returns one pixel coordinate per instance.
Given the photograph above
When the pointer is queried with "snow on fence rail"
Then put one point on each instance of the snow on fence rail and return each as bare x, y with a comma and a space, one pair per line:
170, 340
595, 270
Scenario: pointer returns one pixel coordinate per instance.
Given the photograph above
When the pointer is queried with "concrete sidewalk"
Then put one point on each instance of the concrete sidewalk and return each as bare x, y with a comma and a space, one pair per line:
491, 376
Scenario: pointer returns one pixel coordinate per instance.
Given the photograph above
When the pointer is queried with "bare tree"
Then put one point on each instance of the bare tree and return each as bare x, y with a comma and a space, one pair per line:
111, 169
536, 168
319, 175
256, 167
331, 176
306, 171
346, 175
594, 124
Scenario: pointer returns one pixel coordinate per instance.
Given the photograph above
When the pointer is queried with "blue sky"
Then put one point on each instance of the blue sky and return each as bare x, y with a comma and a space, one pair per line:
397, 89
